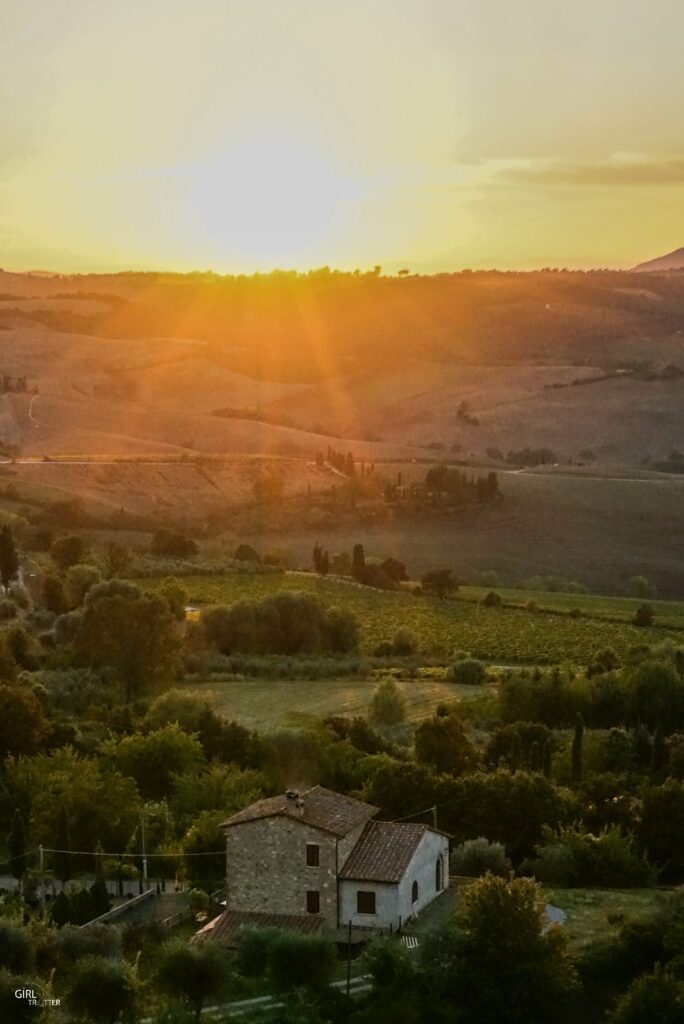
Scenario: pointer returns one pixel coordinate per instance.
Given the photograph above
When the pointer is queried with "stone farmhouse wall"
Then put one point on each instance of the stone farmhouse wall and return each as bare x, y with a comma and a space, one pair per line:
266, 869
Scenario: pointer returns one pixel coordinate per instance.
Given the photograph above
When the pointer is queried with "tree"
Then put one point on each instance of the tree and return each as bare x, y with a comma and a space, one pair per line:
67, 551
75, 799
246, 553
644, 615
79, 580
658, 695
200, 840
16, 846
653, 997
662, 828
194, 973
476, 857
439, 582
22, 723
103, 990
117, 560
358, 560
54, 595
387, 706
441, 742
577, 750
155, 758
136, 636
467, 672
172, 545
16, 949
9, 559
300, 961
512, 968
176, 596
640, 587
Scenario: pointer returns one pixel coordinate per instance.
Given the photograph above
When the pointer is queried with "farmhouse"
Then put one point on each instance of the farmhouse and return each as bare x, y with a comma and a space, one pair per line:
318, 861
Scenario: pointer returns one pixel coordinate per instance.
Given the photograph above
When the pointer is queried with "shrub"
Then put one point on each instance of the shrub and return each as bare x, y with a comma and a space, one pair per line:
8, 609
16, 950
644, 615
469, 672
387, 706
575, 857
476, 857
286, 623
492, 600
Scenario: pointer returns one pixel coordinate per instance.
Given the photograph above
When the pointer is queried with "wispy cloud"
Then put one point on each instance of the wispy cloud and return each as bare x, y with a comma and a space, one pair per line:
618, 170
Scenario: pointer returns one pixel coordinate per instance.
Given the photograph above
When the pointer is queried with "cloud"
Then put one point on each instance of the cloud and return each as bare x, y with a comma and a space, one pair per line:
619, 170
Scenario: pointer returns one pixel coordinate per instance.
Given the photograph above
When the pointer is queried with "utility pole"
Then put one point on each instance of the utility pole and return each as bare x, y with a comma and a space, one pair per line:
41, 861
144, 854
349, 939
434, 817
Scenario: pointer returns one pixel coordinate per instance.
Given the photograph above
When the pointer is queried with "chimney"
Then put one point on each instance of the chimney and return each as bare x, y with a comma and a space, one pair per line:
300, 806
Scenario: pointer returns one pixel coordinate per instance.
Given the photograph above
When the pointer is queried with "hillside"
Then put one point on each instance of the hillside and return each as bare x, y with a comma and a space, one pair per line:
174, 395
672, 261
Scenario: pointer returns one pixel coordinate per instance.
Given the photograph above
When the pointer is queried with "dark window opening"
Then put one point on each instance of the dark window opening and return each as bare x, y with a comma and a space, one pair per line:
365, 902
313, 855
313, 902
438, 875
414, 893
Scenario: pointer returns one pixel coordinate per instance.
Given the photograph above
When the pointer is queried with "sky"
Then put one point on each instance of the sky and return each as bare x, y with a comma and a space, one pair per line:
243, 135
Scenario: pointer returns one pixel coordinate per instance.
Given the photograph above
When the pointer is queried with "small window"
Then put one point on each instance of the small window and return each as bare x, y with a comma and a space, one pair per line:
313, 902
313, 855
414, 893
365, 902
438, 874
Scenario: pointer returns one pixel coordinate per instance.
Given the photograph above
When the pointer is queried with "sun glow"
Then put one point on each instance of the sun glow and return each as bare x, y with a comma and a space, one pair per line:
270, 199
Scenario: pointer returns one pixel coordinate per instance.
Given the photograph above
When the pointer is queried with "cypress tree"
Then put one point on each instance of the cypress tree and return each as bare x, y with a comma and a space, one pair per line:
9, 559
16, 844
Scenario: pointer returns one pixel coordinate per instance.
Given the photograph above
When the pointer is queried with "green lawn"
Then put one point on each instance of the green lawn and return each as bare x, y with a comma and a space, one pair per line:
505, 635
592, 913
267, 704
596, 913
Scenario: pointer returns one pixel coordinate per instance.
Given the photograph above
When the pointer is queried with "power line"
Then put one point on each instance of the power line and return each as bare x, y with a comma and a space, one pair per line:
106, 853
414, 814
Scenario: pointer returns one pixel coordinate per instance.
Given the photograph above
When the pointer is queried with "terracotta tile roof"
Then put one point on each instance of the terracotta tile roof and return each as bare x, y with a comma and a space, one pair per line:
225, 929
383, 852
319, 807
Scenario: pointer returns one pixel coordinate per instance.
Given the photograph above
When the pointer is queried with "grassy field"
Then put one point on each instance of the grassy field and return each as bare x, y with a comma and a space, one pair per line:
669, 614
267, 704
592, 913
597, 913
503, 635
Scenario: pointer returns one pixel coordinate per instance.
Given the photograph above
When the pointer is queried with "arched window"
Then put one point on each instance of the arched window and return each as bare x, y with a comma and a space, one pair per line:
414, 893
438, 874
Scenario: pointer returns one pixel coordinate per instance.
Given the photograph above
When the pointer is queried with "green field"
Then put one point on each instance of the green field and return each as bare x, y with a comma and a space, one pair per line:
508, 635
668, 614
598, 913
267, 704
592, 913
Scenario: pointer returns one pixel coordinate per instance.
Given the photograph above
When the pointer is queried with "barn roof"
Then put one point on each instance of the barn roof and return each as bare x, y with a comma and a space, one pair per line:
225, 929
383, 852
319, 807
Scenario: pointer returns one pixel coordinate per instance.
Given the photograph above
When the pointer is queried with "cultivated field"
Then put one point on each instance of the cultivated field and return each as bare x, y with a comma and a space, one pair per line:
499, 635
268, 704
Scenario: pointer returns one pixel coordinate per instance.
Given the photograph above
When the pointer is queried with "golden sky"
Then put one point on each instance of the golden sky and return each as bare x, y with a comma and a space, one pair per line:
247, 134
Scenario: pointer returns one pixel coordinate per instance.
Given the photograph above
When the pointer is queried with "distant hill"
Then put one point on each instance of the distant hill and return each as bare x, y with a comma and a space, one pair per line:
672, 261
